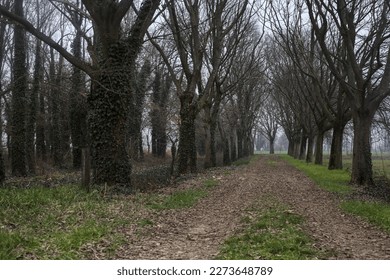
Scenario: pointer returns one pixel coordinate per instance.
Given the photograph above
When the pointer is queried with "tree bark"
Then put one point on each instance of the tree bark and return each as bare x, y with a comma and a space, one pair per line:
336, 149
302, 149
78, 108
272, 145
310, 144
108, 117
319, 151
361, 163
187, 146
18, 138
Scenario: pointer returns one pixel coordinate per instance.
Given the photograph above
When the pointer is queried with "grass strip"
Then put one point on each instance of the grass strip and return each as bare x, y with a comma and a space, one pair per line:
377, 213
272, 232
331, 180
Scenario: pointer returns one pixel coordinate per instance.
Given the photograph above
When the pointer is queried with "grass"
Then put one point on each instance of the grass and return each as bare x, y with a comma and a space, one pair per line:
377, 213
179, 199
272, 232
246, 160
56, 223
330, 180
182, 198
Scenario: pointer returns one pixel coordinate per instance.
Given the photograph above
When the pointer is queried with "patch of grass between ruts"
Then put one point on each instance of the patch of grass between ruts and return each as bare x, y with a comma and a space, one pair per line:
272, 232
183, 198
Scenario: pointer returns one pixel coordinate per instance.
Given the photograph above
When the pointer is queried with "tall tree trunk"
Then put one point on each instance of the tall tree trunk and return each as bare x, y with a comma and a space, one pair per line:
56, 139
290, 148
18, 140
361, 162
272, 145
310, 145
336, 149
297, 146
319, 151
210, 127
78, 108
2, 41
302, 149
240, 140
187, 146
108, 118
32, 119
233, 148
41, 120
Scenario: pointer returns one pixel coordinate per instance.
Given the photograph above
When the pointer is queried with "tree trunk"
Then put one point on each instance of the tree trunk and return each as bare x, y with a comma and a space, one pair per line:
210, 126
310, 144
290, 149
108, 117
361, 162
319, 151
18, 140
41, 120
272, 145
233, 148
297, 146
33, 101
302, 149
55, 92
240, 141
78, 108
187, 145
336, 149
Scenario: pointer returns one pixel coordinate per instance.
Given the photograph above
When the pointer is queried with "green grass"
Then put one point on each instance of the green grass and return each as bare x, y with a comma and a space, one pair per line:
246, 160
271, 232
330, 180
183, 198
375, 212
210, 183
56, 223
337, 181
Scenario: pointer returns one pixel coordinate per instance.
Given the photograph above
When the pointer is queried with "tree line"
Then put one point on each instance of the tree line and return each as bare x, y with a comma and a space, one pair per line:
203, 75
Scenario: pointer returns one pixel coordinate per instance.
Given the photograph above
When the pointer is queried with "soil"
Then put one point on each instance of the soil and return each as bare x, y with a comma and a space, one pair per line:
198, 232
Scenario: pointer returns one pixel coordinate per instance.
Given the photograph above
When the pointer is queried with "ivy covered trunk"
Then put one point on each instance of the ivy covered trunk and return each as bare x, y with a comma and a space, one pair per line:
108, 116
361, 161
18, 133
187, 146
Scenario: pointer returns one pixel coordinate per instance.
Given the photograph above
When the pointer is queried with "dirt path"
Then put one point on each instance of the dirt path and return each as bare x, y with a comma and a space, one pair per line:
198, 233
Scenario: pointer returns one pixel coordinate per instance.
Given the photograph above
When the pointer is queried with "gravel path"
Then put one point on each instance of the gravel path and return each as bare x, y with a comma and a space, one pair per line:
198, 232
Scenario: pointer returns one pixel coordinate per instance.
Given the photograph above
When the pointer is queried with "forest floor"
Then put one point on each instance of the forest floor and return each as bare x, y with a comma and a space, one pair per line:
199, 232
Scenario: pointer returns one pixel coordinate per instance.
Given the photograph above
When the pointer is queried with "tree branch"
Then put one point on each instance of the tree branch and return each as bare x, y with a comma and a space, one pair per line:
87, 68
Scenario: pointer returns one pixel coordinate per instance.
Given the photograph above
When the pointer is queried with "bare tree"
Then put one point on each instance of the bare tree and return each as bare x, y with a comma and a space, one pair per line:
364, 70
114, 55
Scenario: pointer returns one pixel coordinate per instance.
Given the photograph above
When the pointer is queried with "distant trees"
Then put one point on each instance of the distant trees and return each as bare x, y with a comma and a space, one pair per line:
207, 81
